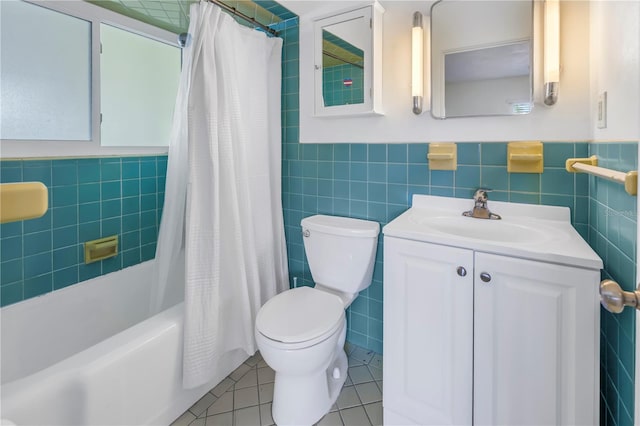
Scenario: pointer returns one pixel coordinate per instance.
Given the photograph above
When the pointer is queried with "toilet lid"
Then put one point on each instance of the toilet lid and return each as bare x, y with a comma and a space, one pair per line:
299, 315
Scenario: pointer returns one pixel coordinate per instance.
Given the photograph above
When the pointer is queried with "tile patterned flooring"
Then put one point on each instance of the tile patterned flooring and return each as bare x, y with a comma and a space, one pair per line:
244, 397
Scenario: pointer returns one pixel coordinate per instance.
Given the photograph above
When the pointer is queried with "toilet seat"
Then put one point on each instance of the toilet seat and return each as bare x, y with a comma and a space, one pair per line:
300, 317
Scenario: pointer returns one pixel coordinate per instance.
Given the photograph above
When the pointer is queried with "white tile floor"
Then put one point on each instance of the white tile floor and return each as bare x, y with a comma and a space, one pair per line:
244, 397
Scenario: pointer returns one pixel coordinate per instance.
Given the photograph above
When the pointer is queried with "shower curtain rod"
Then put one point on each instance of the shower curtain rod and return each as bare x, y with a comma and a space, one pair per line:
247, 18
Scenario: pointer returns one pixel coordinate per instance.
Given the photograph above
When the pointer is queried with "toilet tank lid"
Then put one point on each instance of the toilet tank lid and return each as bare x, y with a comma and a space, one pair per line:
337, 225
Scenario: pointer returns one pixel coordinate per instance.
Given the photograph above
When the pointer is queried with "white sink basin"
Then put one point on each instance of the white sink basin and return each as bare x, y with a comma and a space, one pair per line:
504, 231
527, 231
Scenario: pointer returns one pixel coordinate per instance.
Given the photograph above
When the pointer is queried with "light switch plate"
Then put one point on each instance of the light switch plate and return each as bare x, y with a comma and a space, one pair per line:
602, 110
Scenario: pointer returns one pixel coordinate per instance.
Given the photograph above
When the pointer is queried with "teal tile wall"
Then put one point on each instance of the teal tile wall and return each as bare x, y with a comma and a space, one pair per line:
334, 90
88, 199
612, 234
377, 181
277, 9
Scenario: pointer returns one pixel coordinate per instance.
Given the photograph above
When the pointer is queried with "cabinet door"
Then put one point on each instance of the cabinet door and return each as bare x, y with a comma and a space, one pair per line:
536, 343
428, 326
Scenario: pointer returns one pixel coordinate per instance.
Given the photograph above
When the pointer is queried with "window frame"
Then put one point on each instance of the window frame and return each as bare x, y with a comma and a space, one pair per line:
95, 15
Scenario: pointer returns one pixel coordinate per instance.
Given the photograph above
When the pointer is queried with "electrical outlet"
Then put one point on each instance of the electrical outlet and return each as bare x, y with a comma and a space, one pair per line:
602, 110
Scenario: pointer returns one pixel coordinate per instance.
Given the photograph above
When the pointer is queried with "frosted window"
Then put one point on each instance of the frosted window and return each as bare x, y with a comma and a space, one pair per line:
45, 73
139, 82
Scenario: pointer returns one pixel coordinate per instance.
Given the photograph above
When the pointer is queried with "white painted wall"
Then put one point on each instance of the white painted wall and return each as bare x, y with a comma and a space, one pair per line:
615, 68
568, 120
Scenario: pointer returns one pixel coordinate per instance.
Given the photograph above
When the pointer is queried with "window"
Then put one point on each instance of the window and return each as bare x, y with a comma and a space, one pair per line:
55, 83
45, 74
139, 82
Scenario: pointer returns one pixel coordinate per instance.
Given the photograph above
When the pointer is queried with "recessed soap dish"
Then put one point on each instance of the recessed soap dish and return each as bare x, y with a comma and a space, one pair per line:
100, 249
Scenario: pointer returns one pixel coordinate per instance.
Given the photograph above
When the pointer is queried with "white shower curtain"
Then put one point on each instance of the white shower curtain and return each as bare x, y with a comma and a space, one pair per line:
223, 189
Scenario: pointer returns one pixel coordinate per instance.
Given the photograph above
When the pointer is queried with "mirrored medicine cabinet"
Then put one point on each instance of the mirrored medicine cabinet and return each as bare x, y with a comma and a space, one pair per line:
348, 62
481, 58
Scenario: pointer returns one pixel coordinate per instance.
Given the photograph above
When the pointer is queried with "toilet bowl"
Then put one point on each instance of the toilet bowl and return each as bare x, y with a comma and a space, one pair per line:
311, 366
301, 332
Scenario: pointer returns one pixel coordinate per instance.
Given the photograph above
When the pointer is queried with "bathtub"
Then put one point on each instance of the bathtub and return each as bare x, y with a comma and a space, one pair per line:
90, 354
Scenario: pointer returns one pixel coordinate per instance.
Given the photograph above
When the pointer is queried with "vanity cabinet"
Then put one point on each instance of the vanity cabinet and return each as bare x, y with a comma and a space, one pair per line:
486, 339
428, 330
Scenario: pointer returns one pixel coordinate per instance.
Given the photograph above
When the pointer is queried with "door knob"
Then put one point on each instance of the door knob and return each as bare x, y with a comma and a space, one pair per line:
614, 299
461, 271
485, 277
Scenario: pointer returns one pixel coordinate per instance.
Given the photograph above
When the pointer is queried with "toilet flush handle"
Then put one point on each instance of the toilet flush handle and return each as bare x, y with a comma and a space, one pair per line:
305, 233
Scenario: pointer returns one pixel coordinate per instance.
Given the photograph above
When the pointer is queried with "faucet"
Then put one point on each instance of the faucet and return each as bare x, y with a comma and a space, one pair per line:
480, 209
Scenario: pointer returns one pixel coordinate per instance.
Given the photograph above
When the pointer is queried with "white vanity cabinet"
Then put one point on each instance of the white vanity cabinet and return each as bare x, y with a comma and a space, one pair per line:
472, 338
428, 334
536, 332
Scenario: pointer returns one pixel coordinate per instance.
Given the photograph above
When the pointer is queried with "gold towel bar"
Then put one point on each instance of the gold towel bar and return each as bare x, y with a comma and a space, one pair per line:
590, 165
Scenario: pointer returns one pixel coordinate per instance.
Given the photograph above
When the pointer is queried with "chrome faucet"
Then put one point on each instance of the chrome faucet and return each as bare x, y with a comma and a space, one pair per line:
480, 209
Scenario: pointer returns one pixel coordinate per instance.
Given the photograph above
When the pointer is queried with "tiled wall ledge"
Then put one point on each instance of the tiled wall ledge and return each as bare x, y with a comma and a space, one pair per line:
88, 199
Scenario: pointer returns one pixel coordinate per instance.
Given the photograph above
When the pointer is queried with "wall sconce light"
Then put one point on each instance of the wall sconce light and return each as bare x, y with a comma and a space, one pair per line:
417, 63
551, 51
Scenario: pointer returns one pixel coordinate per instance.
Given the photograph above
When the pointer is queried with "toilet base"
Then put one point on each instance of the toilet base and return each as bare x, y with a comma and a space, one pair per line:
303, 400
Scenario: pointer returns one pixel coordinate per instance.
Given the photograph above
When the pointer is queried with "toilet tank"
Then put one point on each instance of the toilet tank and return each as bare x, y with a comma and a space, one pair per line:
341, 251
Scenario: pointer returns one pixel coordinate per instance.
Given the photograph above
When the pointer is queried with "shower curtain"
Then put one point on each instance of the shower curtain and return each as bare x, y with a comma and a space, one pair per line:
223, 211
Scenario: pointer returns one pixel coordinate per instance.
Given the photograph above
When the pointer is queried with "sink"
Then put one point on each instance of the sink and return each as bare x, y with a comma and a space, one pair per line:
504, 231
527, 231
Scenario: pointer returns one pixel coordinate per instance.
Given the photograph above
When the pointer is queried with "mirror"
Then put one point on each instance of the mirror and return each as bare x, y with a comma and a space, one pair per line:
344, 55
482, 58
342, 66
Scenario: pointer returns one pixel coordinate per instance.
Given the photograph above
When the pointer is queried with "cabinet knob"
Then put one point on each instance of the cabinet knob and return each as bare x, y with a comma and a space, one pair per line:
461, 271
485, 277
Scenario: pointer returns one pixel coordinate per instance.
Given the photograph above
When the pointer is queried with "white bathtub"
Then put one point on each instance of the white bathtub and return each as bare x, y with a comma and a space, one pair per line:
87, 355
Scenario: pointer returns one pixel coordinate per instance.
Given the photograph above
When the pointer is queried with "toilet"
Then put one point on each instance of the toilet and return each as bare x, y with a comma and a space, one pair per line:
301, 332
